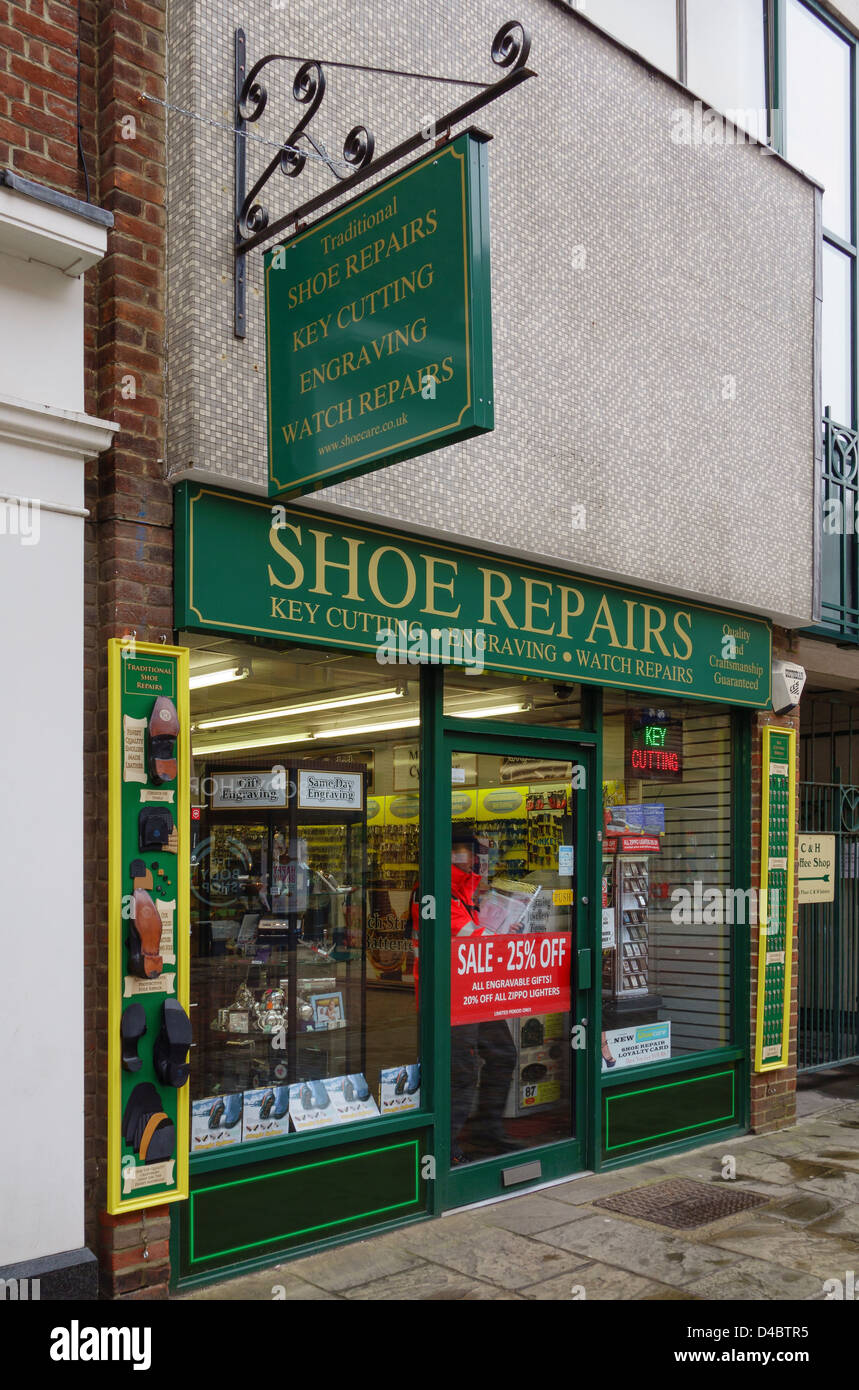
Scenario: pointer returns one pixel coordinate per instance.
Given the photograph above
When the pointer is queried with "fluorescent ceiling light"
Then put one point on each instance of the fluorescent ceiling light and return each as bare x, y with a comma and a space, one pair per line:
339, 702
200, 749
487, 713
233, 673
323, 734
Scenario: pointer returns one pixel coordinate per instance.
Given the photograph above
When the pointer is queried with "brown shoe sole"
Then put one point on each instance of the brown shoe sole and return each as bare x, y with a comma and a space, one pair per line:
147, 925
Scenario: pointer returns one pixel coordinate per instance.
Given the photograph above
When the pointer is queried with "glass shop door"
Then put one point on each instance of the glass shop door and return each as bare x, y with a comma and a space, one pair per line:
520, 927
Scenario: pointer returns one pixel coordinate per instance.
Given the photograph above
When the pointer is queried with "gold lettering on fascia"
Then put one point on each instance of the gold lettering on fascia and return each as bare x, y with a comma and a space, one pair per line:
394, 579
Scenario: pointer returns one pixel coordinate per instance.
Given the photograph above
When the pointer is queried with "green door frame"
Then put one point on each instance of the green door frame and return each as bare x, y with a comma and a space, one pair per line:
440, 737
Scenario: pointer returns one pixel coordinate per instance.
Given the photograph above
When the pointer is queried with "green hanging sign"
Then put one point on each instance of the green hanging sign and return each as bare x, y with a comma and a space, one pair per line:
245, 565
378, 325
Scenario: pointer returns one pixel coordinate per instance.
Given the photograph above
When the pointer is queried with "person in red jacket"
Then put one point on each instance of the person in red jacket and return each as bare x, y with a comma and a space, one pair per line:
482, 1055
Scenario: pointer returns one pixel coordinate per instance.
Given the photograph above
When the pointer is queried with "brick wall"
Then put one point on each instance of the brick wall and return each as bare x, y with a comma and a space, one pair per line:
129, 537
773, 1093
39, 93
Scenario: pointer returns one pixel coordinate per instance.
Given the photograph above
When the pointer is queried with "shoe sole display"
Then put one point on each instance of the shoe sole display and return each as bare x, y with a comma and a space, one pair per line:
163, 732
146, 1127
144, 940
132, 1026
172, 1044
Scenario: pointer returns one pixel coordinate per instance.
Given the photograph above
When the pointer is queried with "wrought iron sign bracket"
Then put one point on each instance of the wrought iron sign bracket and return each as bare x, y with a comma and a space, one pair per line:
253, 228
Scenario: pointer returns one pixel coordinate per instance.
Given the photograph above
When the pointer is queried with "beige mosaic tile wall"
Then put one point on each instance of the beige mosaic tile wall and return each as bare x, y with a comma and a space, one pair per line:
652, 301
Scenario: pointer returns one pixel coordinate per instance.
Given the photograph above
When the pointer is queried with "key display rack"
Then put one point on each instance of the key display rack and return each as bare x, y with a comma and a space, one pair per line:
775, 940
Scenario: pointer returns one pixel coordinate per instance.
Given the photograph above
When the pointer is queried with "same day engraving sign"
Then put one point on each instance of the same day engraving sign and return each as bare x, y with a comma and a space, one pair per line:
378, 325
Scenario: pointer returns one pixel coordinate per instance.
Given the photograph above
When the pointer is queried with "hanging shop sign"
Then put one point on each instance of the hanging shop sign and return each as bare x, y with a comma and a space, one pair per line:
815, 869
775, 936
148, 970
246, 566
378, 325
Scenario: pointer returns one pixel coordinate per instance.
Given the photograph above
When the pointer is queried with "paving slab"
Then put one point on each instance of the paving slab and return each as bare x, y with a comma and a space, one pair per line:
595, 1282
525, 1215
825, 1255
489, 1253
354, 1264
583, 1190
429, 1281
755, 1280
843, 1222
803, 1208
841, 1184
642, 1248
266, 1285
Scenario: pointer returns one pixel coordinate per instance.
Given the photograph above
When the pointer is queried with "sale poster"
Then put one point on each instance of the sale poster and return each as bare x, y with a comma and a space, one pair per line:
509, 976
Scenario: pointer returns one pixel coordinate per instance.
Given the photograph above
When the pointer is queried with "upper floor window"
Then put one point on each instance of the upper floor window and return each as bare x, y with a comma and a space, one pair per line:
717, 49
817, 110
725, 59
648, 26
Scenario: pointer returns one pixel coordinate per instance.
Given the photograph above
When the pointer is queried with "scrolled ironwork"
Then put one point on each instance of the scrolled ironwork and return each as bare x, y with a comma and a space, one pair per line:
358, 147
253, 226
511, 46
841, 452
850, 809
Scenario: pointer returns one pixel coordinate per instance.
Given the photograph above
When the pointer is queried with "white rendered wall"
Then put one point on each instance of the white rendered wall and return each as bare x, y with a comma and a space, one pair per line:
42, 357
41, 852
44, 441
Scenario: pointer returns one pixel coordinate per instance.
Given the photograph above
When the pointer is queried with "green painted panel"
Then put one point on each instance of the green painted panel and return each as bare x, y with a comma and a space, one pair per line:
660, 1112
279, 1206
378, 325
244, 565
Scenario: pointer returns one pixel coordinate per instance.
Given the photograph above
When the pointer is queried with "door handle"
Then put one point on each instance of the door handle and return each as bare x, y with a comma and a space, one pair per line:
584, 971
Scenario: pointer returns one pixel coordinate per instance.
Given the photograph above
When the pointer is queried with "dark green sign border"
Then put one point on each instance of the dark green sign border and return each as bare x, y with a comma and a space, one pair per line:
243, 554
477, 415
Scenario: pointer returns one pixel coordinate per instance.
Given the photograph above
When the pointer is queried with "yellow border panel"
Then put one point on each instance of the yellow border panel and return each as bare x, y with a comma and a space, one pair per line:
763, 899
115, 1202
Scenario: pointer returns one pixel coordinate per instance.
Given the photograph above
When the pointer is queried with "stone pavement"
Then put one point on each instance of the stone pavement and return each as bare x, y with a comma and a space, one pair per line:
555, 1244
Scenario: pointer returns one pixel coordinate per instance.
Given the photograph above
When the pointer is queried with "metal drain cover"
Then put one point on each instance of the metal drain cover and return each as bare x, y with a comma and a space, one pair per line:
681, 1204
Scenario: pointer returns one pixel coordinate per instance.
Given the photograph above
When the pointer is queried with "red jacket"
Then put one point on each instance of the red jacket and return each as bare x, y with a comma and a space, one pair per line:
464, 918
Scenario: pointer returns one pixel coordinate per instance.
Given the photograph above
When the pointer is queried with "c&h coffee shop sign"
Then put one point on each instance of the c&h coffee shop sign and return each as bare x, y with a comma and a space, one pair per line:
245, 566
378, 325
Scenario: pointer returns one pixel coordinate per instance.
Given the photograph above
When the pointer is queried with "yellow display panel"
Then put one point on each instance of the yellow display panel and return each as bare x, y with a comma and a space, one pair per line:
776, 900
138, 673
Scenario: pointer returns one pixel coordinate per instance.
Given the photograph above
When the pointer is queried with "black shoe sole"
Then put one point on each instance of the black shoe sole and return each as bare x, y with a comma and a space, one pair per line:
132, 1026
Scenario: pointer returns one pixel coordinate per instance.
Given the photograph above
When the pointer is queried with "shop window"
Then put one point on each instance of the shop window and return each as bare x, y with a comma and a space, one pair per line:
670, 909
511, 699
303, 871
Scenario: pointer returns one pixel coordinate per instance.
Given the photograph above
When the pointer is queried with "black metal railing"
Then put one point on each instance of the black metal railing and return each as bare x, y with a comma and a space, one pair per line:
828, 985
839, 541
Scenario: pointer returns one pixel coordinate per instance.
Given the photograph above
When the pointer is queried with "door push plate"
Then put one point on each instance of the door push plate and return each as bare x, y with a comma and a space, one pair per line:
584, 973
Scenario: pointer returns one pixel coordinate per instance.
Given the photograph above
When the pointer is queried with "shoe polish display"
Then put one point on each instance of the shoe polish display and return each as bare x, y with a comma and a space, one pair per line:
132, 1026
171, 1046
146, 1127
163, 732
144, 938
